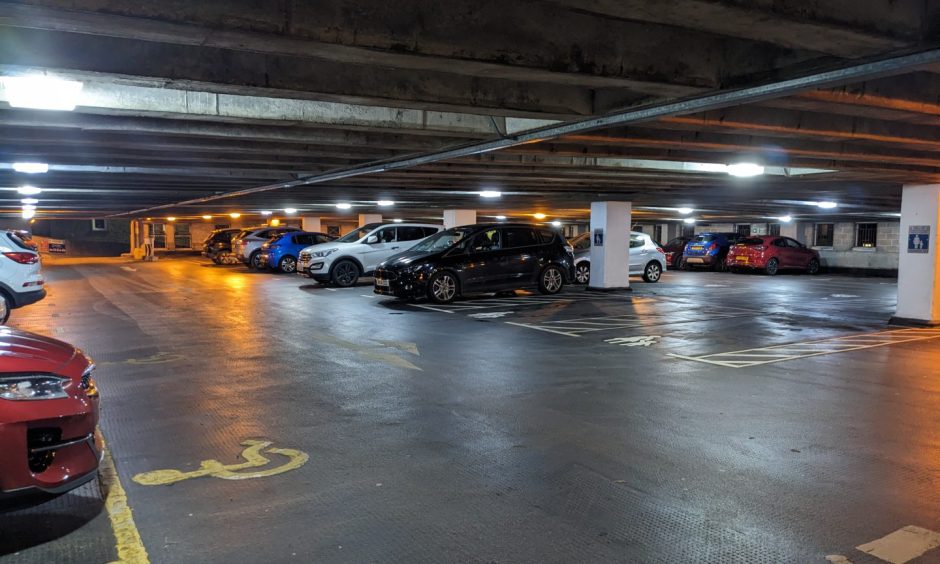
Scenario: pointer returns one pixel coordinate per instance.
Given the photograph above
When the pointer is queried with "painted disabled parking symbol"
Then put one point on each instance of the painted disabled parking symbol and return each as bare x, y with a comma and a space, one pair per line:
641, 341
256, 465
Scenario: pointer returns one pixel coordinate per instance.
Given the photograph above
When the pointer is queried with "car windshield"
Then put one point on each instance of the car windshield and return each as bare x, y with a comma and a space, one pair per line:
703, 238
357, 234
751, 241
443, 240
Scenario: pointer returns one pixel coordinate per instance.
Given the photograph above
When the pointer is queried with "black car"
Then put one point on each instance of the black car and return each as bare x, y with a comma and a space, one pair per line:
218, 243
476, 259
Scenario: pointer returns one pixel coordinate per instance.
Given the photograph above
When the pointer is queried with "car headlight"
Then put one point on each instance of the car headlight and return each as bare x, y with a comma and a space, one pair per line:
326, 253
32, 387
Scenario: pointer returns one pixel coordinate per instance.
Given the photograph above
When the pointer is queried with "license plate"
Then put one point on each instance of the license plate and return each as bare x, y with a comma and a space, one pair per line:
742, 259
382, 283
696, 247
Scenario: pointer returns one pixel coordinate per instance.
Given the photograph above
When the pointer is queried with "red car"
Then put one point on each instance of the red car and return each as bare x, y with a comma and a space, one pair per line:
772, 253
48, 415
674, 249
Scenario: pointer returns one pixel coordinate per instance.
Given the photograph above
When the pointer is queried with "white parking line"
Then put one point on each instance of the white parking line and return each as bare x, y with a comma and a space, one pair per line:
780, 353
532, 300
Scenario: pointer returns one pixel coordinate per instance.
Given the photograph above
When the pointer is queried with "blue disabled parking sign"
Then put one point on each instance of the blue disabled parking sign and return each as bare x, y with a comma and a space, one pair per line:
918, 239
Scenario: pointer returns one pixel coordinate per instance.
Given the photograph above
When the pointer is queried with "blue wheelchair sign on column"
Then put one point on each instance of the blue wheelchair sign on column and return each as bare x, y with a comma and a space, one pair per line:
918, 239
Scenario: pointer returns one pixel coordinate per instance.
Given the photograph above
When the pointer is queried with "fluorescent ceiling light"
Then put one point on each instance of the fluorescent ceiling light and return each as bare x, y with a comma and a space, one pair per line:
28, 214
785, 218
385, 203
41, 92
29, 190
290, 210
396, 220
827, 205
685, 211
29, 207
538, 215
556, 223
234, 215
745, 170
266, 212
31, 168
490, 194
343, 206
171, 218
500, 217
689, 220
207, 217
29, 201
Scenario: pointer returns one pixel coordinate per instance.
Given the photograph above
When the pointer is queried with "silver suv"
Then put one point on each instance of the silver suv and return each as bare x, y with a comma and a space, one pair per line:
246, 246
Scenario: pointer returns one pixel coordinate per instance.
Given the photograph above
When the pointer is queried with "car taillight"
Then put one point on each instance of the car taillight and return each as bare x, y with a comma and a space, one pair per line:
660, 250
22, 258
713, 246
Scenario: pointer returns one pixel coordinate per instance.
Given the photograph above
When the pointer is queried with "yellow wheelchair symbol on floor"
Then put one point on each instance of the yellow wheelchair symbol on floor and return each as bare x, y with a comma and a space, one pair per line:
253, 459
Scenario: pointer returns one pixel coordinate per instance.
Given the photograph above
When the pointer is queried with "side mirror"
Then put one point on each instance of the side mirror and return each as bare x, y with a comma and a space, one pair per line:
373, 239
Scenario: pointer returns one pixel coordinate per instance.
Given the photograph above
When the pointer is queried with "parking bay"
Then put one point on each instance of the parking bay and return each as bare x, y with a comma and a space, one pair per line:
424, 422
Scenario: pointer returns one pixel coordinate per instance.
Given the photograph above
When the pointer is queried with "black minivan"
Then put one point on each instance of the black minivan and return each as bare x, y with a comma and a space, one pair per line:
476, 259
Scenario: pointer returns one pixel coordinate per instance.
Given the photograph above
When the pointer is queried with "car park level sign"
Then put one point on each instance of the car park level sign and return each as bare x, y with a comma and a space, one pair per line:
918, 239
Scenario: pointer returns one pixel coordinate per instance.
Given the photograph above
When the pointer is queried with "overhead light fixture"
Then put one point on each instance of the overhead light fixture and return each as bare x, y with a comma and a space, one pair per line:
827, 205
234, 215
275, 222
385, 203
207, 217
685, 211
29, 201
490, 194
500, 217
41, 92
29, 214
539, 215
31, 168
171, 218
290, 210
29, 207
343, 206
29, 190
266, 212
396, 220
556, 223
689, 220
745, 170
785, 218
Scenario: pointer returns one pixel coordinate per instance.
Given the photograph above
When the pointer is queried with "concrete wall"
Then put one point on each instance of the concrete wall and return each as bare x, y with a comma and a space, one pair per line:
81, 240
843, 254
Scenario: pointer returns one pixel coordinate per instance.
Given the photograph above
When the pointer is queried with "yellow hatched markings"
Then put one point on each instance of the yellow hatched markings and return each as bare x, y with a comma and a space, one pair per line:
779, 353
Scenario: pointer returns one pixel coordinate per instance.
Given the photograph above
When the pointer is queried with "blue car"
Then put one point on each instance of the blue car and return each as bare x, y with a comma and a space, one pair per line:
280, 253
708, 250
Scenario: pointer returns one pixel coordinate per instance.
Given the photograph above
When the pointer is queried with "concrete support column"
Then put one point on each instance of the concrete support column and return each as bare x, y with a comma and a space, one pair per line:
610, 245
312, 224
789, 230
456, 218
365, 218
918, 264
170, 232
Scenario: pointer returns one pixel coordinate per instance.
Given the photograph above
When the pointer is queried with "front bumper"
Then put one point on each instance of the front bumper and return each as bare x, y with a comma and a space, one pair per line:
399, 285
315, 267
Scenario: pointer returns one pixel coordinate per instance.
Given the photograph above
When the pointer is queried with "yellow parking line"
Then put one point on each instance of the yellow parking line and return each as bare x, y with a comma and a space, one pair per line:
130, 548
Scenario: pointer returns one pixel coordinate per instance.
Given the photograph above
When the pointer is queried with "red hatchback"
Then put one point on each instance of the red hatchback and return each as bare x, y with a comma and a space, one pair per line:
772, 253
48, 415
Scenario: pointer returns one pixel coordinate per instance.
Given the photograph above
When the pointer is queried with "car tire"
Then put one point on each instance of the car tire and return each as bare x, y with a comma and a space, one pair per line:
551, 280
345, 273
773, 265
684, 264
582, 272
288, 265
6, 306
443, 287
813, 267
217, 260
254, 261
652, 272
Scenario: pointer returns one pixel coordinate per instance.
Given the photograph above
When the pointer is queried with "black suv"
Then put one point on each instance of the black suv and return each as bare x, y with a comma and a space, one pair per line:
478, 258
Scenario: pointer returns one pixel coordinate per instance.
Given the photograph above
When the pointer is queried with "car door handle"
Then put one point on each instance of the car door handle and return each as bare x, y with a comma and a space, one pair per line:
393, 248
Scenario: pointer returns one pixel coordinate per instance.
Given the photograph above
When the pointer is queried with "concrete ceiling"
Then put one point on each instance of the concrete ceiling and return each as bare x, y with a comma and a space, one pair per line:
189, 100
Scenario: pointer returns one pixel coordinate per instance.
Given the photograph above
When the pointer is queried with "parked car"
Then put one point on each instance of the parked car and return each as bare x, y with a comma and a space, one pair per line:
357, 253
21, 280
247, 244
772, 253
219, 243
708, 250
281, 252
647, 259
477, 259
674, 250
48, 415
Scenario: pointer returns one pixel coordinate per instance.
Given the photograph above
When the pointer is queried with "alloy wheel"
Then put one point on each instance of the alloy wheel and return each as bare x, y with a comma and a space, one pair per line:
444, 288
813, 267
551, 279
346, 273
772, 266
4, 309
653, 272
288, 264
583, 273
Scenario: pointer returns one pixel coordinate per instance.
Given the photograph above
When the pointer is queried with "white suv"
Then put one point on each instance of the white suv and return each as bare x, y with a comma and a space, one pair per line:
21, 281
358, 252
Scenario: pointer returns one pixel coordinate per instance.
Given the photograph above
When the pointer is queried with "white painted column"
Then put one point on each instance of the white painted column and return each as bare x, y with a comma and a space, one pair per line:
918, 265
366, 218
610, 245
456, 218
308, 223
789, 230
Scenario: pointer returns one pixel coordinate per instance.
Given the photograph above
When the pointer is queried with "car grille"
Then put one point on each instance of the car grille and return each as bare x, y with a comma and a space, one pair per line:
385, 274
305, 256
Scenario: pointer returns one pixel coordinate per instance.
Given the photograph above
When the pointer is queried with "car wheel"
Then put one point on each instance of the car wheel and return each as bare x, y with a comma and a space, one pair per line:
772, 267
551, 281
288, 265
813, 267
653, 272
5, 308
345, 273
684, 264
442, 288
582, 272
254, 261
217, 260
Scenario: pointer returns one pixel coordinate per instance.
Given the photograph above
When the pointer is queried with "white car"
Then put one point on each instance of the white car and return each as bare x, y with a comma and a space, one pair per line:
647, 258
21, 281
357, 253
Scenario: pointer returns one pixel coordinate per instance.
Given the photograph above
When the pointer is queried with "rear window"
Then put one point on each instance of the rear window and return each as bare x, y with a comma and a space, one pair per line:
703, 239
19, 242
751, 241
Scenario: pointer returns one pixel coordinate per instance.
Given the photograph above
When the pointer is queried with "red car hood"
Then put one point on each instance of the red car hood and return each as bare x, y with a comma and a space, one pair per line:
27, 352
